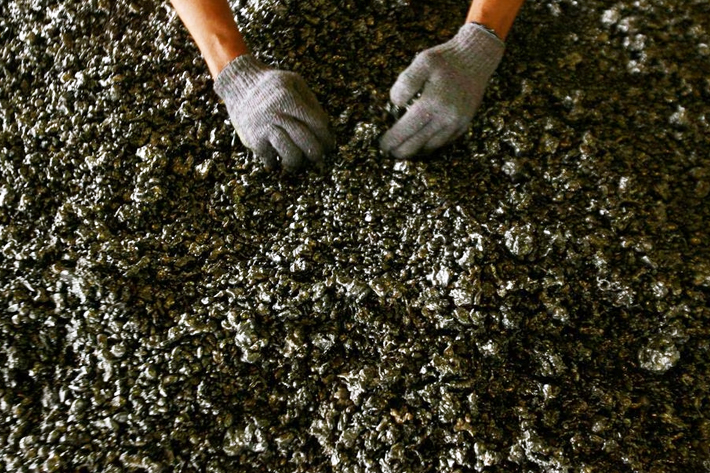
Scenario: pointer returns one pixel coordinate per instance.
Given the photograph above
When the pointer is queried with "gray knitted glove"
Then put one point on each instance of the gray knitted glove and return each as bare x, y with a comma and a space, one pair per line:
451, 78
274, 113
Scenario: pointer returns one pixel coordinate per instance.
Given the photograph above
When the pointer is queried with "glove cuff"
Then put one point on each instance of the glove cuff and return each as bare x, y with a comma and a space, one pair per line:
237, 77
478, 47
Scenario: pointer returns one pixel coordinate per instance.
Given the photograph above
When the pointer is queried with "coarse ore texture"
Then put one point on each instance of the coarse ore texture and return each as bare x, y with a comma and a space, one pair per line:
532, 298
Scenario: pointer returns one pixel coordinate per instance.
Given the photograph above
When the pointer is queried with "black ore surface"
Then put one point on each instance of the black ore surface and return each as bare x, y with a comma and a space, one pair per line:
532, 298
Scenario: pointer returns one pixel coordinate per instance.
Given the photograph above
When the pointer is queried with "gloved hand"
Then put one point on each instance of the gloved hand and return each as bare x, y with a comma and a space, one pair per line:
451, 78
274, 113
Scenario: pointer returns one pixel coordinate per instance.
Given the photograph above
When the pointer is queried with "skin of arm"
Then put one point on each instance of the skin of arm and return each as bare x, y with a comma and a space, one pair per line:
212, 26
497, 15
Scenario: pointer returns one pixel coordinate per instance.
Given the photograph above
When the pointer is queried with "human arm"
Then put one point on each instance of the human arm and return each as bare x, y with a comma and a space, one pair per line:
273, 111
212, 26
444, 85
497, 15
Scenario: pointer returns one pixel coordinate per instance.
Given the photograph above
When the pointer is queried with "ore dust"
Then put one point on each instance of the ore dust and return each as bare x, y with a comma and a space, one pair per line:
533, 297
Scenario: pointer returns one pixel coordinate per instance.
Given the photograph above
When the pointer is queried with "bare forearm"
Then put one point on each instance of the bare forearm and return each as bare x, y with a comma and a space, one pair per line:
498, 15
211, 24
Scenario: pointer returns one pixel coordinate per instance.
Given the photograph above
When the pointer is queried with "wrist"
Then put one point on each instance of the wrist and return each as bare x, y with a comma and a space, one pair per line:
496, 15
485, 28
222, 50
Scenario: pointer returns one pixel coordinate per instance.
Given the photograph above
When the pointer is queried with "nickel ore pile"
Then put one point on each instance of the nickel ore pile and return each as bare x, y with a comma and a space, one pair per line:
532, 298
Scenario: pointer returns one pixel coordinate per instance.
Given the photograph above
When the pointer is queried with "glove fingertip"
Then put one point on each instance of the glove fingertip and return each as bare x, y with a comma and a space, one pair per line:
401, 94
388, 142
268, 160
322, 132
291, 161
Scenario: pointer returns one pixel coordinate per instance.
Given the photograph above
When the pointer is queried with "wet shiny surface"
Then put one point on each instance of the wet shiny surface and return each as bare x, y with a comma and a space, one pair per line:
531, 298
